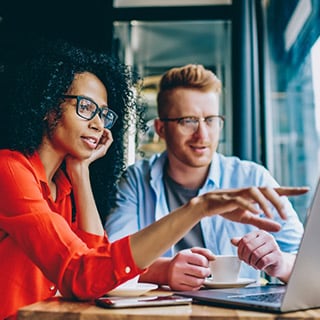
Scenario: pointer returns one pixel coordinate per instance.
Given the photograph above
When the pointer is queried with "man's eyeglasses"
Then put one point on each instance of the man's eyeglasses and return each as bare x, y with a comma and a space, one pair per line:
87, 109
190, 125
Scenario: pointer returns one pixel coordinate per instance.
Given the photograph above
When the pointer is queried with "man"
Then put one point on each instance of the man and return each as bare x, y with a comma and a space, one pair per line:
190, 124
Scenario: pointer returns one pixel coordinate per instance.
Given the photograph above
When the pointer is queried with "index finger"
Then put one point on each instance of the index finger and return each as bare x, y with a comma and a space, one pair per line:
203, 251
291, 191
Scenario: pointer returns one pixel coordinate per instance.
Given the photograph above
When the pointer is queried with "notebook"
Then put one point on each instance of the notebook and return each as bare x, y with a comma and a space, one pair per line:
302, 290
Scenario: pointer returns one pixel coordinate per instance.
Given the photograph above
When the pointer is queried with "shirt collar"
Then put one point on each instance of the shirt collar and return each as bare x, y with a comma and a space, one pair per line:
61, 179
213, 178
214, 174
38, 167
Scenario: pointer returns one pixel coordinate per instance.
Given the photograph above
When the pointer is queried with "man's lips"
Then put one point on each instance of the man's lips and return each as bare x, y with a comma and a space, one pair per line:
198, 147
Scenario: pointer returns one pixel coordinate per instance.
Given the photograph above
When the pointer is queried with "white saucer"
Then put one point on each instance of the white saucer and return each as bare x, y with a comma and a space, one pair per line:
242, 282
138, 290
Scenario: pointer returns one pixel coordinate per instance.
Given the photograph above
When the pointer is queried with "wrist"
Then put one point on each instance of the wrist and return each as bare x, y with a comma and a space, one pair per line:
78, 172
283, 272
288, 262
157, 272
199, 206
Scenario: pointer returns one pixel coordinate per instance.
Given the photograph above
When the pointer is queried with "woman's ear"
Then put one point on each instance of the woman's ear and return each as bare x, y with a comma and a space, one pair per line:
159, 128
50, 120
49, 117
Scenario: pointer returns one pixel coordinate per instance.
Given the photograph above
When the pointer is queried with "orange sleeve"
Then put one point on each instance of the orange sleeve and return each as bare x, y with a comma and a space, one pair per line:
38, 231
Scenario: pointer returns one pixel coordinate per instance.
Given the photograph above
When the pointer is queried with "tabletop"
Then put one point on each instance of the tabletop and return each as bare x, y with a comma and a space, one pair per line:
58, 308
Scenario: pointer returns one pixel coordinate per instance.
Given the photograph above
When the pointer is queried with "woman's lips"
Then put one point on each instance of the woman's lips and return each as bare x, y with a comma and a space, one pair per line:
90, 141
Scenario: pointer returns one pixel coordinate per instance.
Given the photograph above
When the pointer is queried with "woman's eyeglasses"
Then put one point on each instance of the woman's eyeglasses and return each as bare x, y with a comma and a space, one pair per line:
87, 109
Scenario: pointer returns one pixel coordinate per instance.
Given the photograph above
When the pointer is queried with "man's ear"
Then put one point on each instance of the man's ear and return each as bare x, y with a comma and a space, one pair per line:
159, 128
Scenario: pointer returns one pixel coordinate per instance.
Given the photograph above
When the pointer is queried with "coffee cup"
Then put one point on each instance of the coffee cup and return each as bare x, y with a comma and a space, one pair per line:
225, 268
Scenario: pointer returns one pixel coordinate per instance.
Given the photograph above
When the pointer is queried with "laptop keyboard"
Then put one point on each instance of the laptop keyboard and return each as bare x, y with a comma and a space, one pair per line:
272, 297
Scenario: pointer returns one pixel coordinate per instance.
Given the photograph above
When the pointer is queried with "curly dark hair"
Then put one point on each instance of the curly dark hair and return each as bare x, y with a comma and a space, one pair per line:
32, 89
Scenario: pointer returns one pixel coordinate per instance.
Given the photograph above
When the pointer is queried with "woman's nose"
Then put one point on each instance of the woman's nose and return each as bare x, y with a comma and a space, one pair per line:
97, 122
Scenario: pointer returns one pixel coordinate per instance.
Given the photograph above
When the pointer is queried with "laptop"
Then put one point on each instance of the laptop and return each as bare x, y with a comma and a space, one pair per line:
302, 290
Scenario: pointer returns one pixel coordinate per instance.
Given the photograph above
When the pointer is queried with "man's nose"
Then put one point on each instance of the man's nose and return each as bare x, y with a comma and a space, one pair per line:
202, 128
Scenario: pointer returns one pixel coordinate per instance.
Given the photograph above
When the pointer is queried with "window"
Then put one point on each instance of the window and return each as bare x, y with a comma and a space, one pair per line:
292, 74
153, 47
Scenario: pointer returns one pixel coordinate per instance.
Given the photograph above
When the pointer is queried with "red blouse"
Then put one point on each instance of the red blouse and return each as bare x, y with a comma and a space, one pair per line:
41, 250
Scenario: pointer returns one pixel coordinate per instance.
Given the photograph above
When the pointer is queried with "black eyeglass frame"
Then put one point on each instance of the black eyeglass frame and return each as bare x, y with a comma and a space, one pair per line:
97, 111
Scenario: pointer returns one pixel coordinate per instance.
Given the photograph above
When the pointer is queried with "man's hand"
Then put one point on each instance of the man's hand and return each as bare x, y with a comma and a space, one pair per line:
189, 268
245, 205
260, 250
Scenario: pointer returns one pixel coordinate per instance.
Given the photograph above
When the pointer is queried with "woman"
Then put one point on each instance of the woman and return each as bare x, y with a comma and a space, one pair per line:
51, 235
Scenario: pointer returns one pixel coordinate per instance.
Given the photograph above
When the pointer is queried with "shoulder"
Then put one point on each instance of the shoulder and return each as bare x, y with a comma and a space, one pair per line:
10, 158
18, 165
19, 178
145, 166
139, 166
244, 171
237, 163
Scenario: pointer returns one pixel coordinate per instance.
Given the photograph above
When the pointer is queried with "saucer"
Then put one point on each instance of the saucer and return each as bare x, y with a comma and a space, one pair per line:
241, 282
138, 290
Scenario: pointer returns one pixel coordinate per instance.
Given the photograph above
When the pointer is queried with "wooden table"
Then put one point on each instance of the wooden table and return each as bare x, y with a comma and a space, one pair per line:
57, 308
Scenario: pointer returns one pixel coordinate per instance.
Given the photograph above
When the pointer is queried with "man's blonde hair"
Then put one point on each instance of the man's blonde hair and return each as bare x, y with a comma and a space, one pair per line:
193, 76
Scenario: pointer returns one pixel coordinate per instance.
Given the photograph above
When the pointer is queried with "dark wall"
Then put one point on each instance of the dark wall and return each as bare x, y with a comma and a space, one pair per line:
85, 23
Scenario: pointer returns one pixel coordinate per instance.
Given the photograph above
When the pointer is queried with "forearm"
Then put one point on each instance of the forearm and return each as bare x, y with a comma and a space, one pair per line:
87, 213
236, 205
152, 241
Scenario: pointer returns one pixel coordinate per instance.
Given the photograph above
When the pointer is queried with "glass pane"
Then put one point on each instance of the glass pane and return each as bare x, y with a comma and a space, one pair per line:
152, 47
293, 91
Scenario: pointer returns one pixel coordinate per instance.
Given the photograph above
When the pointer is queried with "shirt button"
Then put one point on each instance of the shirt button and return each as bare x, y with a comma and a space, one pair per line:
127, 270
52, 288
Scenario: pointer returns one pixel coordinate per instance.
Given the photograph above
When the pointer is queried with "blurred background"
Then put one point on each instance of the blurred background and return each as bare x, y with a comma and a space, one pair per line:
266, 52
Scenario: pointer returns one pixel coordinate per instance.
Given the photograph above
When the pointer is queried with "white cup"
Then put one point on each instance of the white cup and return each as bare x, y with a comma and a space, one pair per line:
225, 268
